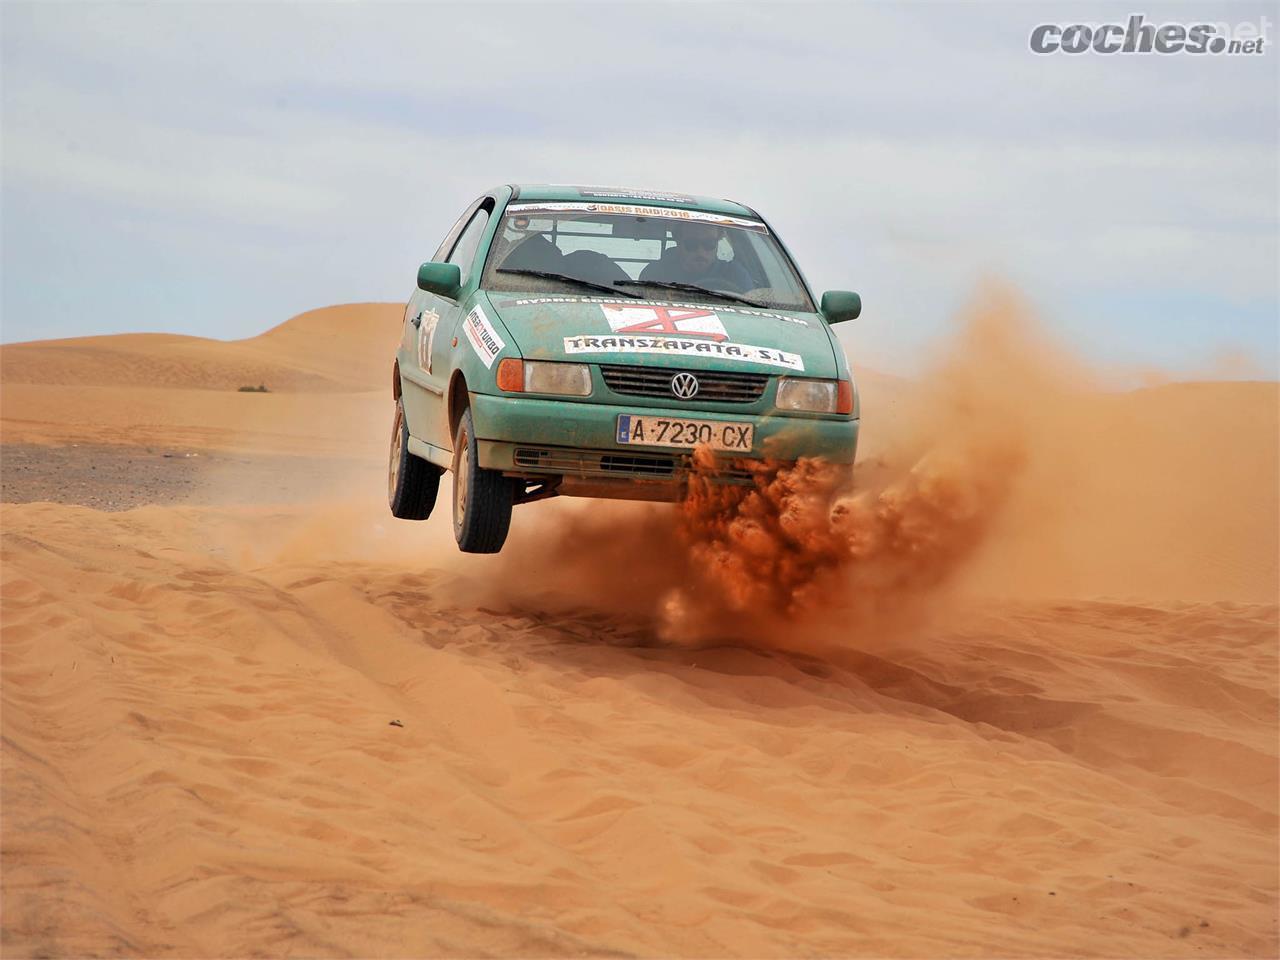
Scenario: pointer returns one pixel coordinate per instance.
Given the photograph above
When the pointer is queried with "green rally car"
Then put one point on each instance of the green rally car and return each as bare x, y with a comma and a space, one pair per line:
585, 341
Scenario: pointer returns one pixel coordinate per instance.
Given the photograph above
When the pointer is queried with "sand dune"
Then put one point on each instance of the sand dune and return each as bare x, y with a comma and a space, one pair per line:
335, 349
200, 760
1031, 712
327, 372
333, 423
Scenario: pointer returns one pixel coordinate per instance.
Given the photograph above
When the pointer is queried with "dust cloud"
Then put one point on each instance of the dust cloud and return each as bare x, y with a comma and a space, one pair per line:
809, 553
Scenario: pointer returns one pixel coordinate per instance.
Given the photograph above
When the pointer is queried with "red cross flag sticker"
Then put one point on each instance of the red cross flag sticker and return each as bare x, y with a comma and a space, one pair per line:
664, 321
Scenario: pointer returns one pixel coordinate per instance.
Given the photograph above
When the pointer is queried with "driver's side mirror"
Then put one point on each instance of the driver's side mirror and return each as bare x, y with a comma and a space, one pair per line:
841, 305
442, 279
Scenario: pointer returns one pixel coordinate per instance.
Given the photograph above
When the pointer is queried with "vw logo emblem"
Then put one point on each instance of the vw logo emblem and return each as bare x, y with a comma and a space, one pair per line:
684, 386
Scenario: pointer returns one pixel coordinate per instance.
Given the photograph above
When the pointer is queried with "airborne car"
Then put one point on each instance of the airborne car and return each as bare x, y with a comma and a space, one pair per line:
582, 341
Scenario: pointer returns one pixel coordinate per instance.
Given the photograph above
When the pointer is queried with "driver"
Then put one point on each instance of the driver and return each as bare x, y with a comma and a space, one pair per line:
693, 260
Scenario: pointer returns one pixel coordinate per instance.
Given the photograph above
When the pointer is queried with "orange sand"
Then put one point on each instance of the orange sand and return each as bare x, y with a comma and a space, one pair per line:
1062, 744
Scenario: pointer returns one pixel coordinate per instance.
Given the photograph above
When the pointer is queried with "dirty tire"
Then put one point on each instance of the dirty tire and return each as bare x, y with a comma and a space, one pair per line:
412, 483
482, 499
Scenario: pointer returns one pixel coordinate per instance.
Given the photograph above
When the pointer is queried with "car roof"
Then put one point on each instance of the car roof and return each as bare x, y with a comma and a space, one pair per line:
656, 198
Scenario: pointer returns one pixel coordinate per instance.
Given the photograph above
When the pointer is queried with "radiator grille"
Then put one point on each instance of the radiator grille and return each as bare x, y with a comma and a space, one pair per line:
717, 386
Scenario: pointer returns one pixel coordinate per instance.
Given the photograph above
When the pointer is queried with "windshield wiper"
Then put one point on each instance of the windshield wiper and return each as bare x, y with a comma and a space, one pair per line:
693, 288
549, 275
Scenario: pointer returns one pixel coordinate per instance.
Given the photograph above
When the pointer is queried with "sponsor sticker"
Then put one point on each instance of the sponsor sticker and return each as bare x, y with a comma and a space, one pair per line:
633, 210
426, 333
737, 352
621, 193
673, 321
605, 301
483, 338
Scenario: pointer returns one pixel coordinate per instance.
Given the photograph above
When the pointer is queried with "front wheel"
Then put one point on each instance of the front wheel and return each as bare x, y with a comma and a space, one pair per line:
412, 483
482, 499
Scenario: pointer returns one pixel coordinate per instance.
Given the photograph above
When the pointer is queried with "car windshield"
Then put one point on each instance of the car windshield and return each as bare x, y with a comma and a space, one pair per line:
637, 251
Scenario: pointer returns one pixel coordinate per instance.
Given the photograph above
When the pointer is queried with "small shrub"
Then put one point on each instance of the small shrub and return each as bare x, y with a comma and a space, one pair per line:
260, 388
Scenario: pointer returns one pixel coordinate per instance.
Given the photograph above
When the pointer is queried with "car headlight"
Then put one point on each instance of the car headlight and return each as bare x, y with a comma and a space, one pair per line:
538, 376
815, 396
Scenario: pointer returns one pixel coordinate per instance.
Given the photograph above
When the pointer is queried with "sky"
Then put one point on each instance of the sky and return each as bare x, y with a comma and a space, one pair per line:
215, 168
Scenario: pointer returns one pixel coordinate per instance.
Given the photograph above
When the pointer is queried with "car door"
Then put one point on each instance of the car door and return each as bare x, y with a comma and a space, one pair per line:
431, 324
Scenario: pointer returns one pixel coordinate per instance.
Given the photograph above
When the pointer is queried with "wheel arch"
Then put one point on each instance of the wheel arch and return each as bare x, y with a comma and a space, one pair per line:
458, 400
395, 380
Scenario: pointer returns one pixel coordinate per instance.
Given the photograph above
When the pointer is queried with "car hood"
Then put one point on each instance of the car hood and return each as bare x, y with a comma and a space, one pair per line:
667, 333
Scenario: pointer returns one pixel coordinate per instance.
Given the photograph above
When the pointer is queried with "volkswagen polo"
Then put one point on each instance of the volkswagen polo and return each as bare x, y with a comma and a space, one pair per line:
589, 341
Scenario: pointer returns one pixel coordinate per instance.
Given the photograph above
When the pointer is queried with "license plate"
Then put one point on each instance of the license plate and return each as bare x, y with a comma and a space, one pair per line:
671, 432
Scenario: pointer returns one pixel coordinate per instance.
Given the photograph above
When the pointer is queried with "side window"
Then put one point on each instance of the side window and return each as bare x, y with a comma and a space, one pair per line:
447, 243
464, 251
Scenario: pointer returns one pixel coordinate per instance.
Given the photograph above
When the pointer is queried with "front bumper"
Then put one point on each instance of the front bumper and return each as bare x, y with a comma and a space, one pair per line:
538, 436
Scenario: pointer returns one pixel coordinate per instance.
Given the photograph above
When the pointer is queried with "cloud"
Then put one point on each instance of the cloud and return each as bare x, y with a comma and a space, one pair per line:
317, 156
